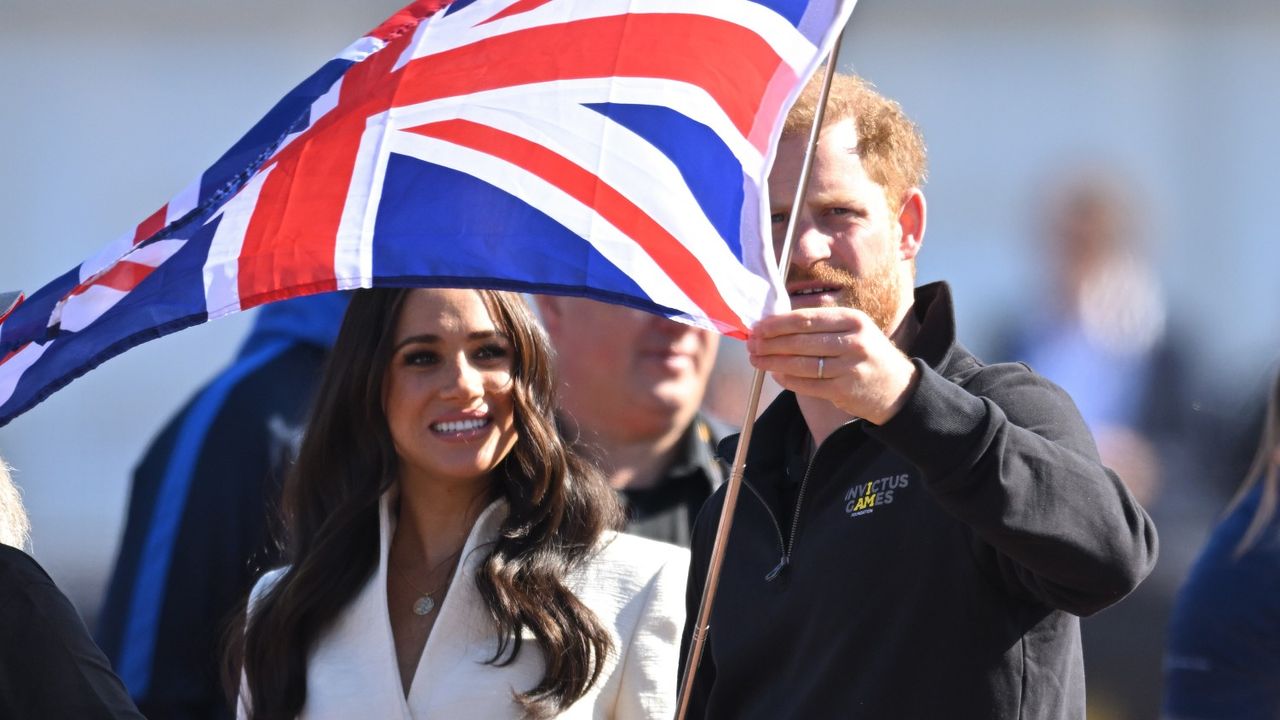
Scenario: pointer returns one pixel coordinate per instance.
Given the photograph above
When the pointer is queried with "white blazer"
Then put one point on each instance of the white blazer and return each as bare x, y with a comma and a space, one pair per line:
633, 585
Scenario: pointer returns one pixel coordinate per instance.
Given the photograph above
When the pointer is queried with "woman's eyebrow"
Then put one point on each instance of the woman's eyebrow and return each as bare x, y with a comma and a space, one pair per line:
430, 339
426, 339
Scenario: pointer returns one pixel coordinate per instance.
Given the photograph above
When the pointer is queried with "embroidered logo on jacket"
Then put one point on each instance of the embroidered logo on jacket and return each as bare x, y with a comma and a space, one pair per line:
864, 498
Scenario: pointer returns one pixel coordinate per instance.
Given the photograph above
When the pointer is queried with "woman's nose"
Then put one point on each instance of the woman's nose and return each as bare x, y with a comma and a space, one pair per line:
465, 380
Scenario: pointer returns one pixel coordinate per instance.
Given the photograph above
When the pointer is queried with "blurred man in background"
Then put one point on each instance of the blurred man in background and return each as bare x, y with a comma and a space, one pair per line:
729, 387
632, 383
198, 533
1102, 332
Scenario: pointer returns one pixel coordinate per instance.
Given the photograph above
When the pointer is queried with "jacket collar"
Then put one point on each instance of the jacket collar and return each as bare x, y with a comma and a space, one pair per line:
935, 344
696, 454
352, 670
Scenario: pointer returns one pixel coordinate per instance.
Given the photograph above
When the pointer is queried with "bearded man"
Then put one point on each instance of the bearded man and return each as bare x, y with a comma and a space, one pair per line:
920, 531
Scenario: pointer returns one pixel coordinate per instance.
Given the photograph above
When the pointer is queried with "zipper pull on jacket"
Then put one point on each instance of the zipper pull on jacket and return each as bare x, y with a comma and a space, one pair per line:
777, 570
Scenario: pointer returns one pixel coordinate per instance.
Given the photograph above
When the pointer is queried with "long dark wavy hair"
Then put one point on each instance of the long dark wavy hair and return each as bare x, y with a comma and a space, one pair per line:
559, 506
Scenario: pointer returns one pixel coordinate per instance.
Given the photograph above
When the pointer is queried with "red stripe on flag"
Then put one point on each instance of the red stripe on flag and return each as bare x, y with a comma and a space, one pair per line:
516, 8
675, 259
684, 48
407, 19
288, 247
13, 352
151, 225
771, 105
290, 239
6, 312
123, 276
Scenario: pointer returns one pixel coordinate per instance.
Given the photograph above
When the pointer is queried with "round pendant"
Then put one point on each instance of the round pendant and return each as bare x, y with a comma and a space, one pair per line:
424, 605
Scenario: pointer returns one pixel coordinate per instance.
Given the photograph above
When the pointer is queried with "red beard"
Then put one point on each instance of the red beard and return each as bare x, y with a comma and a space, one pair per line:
875, 293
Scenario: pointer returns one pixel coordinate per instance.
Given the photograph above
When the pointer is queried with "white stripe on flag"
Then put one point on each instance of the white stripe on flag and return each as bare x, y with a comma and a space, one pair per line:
11, 372
353, 249
156, 253
81, 310
184, 202
549, 101
107, 256
361, 49
222, 268
326, 102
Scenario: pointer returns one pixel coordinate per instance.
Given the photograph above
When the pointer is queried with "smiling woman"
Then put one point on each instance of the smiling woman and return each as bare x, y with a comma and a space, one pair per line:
449, 556
448, 392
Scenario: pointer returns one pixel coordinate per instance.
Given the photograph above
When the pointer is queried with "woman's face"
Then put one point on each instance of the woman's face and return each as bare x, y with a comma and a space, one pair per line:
448, 390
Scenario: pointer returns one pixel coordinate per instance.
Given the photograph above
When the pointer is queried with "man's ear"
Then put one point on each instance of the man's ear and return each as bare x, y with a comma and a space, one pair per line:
911, 218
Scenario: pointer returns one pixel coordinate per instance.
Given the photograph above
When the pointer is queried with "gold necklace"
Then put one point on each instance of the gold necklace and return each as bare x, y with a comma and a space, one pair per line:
426, 603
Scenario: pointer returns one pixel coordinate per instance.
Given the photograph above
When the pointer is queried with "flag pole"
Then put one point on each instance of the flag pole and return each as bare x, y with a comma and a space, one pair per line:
734, 486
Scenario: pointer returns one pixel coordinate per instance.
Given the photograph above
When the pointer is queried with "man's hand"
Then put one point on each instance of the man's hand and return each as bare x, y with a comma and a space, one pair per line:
836, 354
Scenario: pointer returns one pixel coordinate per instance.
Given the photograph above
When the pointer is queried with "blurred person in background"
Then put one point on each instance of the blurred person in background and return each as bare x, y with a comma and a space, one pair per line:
197, 533
49, 666
1223, 657
1103, 334
632, 385
730, 384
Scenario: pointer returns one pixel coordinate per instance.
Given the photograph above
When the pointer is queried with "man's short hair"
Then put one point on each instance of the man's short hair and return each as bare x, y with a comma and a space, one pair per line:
890, 145
14, 527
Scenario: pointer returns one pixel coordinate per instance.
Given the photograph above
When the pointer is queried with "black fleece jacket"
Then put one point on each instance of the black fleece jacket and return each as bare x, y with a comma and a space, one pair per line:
931, 567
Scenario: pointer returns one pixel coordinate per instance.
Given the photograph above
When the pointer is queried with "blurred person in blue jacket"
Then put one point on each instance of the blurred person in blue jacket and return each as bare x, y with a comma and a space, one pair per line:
1223, 657
1103, 332
49, 666
197, 534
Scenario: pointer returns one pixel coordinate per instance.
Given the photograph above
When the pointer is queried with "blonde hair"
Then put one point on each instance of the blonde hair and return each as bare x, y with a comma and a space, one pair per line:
15, 529
890, 145
1264, 469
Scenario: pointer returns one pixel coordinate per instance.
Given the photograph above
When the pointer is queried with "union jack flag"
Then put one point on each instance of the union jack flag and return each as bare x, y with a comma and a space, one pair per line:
614, 149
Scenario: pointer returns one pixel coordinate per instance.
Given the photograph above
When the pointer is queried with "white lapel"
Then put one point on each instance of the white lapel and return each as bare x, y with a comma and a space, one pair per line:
452, 676
352, 672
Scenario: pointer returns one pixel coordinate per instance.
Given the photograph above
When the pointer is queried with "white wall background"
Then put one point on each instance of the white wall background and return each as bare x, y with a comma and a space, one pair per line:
108, 108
